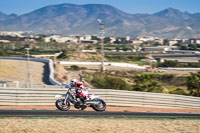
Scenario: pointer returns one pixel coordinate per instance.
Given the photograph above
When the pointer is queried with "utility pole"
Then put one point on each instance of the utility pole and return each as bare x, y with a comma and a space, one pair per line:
102, 36
151, 60
28, 80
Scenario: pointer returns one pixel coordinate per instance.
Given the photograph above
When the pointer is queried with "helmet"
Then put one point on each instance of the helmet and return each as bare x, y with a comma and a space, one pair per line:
73, 82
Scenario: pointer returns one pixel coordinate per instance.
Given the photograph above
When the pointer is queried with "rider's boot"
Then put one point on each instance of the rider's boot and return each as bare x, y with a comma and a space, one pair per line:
83, 107
83, 104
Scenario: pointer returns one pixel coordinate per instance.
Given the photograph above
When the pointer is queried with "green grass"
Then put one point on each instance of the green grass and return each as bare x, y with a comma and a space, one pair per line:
136, 59
154, 74
3, 117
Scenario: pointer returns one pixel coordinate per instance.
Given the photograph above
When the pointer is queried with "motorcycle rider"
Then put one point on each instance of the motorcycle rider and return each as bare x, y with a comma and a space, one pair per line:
80, 89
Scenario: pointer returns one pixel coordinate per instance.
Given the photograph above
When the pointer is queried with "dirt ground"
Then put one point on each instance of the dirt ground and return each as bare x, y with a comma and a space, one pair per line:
14, 70
97, 125
180, 73
63, 75
84, 57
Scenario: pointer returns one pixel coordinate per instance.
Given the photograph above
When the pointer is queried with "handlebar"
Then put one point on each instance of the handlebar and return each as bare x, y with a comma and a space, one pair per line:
69, 90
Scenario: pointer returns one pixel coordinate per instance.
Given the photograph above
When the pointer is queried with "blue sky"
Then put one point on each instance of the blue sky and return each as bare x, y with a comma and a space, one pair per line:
130, 6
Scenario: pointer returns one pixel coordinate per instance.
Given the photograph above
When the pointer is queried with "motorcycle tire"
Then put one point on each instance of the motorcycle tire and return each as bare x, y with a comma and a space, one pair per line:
97, 107
63, 106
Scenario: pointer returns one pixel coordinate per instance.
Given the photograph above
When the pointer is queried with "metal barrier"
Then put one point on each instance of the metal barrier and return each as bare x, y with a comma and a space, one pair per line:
45, 96
12, 85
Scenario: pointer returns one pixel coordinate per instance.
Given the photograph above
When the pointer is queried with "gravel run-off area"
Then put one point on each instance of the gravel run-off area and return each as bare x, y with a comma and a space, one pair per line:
97, 125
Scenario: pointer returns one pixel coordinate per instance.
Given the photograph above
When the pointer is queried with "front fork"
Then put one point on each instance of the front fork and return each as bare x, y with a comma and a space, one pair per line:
65, 101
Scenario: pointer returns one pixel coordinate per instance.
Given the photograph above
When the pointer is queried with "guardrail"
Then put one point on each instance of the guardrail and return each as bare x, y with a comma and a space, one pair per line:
14, 85
118, 64
46, 96
181, 69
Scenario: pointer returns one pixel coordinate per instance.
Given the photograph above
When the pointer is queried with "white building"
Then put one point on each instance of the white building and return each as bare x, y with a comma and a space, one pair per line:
128, 38
137, 42
5, 41
112, 39
172, 42
59, 39
157, 49
159, 40
87, 37
194, 41
146, 39
12, 33
197, 41
175, 41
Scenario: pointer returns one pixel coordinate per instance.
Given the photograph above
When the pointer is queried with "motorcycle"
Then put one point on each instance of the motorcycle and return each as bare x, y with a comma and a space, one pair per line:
65, 100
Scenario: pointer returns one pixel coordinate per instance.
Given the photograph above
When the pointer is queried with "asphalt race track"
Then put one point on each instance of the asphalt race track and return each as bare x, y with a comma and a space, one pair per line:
55, 113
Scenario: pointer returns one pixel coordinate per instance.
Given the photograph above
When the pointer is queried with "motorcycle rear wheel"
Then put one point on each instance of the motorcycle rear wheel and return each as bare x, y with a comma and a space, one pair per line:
99, 107
62, 106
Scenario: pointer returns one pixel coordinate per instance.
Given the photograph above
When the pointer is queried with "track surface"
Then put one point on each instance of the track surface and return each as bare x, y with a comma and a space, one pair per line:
49, 113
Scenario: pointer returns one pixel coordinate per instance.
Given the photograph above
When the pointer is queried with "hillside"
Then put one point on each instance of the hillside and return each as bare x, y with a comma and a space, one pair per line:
12, 70
69, 19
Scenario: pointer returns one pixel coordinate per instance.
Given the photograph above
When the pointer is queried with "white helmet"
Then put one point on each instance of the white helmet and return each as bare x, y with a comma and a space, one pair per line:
73, 82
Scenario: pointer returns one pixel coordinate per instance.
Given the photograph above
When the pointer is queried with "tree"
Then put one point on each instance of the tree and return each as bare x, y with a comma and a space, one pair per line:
117, 41
123, 40
41, 39
193, 84
95, 38
63, 55
143, 82
192, 47
166, 42
183, 47
52, 40
169, 63
107, 40
109, 82
178, 91
2, 53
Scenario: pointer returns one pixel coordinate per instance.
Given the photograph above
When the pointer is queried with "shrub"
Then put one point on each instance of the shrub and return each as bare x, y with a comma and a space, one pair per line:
76, 68
193, 84
63, 55
108, 82
178, 91
144, 82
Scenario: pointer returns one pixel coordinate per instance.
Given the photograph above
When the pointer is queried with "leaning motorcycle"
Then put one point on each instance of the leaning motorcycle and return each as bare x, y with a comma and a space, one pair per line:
65, 100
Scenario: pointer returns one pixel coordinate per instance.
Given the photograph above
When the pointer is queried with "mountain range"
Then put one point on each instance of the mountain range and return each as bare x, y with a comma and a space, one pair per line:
67, 19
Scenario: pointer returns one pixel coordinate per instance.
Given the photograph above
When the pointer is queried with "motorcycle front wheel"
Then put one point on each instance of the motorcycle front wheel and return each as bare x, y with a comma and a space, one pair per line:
63, 106
101, 106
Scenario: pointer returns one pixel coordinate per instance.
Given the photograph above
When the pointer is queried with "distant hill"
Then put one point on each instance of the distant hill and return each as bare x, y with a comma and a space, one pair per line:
3, 16
69, 19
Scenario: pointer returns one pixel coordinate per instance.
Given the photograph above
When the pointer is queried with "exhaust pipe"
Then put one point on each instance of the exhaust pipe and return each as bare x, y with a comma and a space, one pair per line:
92, 102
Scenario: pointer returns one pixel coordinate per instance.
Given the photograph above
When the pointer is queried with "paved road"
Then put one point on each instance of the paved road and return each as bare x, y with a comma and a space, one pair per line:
102, 114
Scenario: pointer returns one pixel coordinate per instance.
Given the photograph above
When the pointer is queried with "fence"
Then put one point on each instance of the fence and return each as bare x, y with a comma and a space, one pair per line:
181, 69
46, 96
